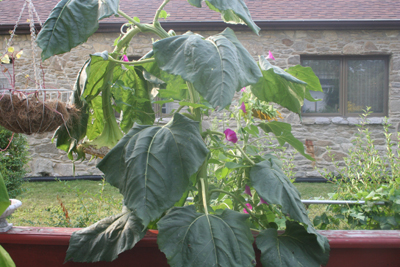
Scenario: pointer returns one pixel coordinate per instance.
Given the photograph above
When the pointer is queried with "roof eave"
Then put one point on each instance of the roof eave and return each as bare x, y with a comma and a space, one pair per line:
269, 25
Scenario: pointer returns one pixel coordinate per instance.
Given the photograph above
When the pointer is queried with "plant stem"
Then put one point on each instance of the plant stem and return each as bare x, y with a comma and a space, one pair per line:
244, 154
203, 193
155, 20
125, 40
145, 27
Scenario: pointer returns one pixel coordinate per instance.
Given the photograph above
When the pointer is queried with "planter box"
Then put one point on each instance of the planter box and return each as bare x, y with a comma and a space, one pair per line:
36, 246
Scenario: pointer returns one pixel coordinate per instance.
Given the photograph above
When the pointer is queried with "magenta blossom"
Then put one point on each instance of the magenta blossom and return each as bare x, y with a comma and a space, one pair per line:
249, 206
243, 107
243, 90
125, 58
263, 201
270, 55
247, 190
230, 135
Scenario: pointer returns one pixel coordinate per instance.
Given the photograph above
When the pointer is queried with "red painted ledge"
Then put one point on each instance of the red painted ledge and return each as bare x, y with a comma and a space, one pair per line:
37, 246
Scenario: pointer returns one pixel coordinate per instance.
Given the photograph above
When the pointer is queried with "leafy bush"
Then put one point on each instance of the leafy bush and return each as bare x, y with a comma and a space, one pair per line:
13, 160
369, 175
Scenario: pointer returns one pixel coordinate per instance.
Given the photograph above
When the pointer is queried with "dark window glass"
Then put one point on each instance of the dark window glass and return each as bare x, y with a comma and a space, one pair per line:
350, 84
328, 72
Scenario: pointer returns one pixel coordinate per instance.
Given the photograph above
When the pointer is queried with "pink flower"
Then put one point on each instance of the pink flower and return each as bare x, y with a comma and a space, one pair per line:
249, 206
263, 201
125, 58
230, 135
270, 55
243, 108
247, 190
243, 90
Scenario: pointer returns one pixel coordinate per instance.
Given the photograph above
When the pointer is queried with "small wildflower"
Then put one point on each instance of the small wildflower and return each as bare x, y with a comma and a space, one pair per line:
19, 54
230, 135
247, 190
243, 90
243, 107
263, 201
5, 59
125, 58
11, 49
270, 55
249, 206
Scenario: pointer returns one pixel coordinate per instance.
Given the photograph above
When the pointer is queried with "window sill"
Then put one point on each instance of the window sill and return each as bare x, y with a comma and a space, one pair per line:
340, 120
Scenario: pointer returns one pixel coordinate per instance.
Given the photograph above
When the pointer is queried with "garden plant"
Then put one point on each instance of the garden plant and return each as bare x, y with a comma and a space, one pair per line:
369, 175
13, 158
157, 167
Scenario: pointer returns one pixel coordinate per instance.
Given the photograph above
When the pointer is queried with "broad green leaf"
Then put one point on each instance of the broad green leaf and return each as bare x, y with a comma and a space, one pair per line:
294, 248
217, 66
69, 135
173, 86
232, 11
95, 123
279, 87
234, 165
4, 198
151, 165
194, 239
130, 91
194, 105
5, 259
70, 24
196, 3
162, 102
307, 75
283, 133
104, 240
274, 187
98, 71
107, 8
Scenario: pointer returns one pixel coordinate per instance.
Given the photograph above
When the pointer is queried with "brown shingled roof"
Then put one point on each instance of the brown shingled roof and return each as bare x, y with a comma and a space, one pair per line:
261, 10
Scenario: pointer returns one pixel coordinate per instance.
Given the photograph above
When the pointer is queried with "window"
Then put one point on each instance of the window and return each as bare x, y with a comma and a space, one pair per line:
350, 84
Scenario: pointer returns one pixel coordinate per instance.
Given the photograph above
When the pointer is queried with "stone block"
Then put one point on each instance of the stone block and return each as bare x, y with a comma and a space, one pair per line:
337, 156
287, 42
42, 167
352, 48
370, 46
339, 120
322, 120
46, 148
293, 60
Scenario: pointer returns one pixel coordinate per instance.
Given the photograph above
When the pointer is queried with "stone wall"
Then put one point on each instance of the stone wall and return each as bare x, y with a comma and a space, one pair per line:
287, 46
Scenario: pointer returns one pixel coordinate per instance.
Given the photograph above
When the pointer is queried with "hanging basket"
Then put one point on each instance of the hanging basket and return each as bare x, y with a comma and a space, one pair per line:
35, 111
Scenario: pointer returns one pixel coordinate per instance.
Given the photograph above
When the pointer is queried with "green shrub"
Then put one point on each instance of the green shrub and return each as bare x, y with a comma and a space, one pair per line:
369, 175
13, 160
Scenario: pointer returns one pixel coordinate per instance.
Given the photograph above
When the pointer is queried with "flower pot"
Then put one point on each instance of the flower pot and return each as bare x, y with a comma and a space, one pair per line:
48, 246
4, 225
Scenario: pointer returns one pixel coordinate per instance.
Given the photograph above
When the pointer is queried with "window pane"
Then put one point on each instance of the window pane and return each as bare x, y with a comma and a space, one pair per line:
328, 72
365, 85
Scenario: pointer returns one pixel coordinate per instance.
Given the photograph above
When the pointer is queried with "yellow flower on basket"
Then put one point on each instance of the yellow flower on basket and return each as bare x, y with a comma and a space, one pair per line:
19, 54
5, 59
11, 49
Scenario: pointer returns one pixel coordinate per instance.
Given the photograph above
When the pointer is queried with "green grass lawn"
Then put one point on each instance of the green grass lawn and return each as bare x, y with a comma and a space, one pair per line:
85, 202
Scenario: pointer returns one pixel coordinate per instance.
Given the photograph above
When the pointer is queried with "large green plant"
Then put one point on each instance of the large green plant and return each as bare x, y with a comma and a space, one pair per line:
369, 175
157, 167
13, 160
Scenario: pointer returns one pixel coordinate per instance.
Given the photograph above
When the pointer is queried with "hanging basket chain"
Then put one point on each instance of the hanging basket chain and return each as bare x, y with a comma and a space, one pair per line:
15, 27
33, 44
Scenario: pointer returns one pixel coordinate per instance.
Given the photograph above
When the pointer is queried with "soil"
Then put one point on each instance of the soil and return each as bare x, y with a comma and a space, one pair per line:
29, 114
